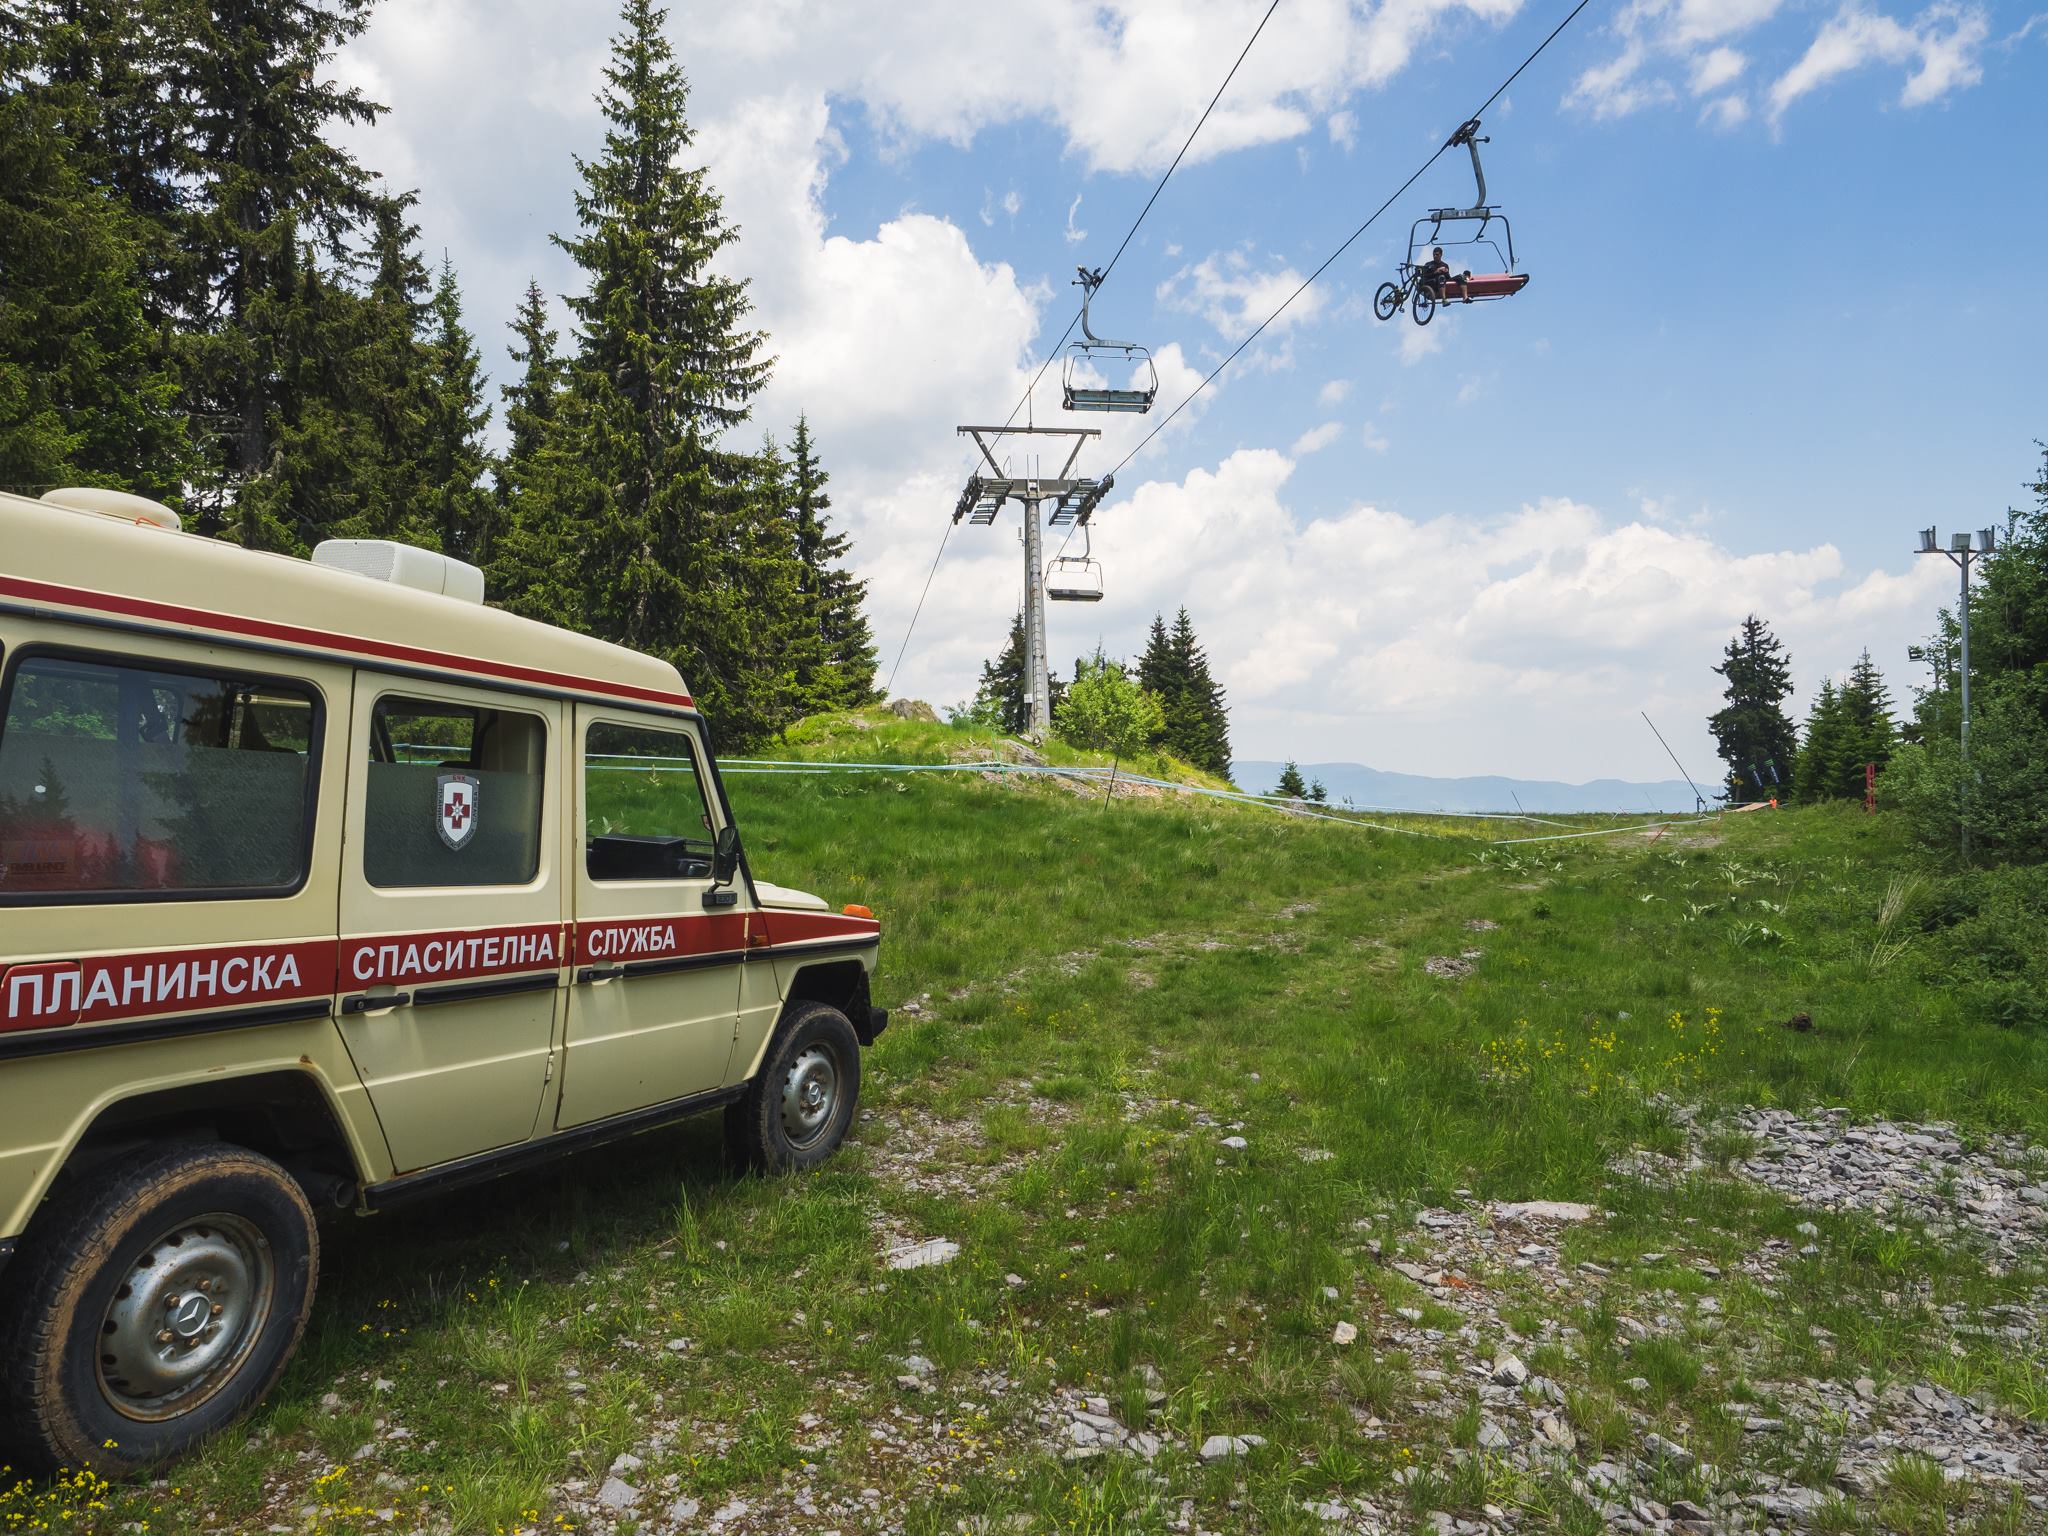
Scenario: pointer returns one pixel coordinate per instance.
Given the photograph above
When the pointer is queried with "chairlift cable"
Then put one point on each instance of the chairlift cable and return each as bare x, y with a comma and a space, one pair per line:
890, 686
1158, 187
1129, 235
1349, 240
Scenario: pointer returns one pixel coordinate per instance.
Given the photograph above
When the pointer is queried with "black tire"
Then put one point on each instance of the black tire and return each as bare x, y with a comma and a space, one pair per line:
206, 1232
1424, 306
815, 1047
1387, 302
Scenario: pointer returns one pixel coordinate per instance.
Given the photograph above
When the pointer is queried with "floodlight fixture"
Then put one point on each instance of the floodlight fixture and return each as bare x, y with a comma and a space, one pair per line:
1987, 540
1927, 541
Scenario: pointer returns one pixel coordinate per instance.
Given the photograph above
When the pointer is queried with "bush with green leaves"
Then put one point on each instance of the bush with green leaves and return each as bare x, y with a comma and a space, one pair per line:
2002, 794
1105, 709
1989, 938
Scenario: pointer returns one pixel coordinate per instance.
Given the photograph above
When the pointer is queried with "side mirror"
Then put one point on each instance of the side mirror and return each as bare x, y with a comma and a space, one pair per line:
725, 855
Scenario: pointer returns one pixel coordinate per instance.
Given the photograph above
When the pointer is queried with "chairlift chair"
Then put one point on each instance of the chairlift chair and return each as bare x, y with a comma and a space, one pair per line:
1094, 354
1464, 285
1075, 578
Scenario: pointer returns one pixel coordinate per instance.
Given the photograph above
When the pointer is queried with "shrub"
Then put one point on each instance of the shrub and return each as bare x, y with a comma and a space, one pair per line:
1106, 710
2003, 793
1990, 938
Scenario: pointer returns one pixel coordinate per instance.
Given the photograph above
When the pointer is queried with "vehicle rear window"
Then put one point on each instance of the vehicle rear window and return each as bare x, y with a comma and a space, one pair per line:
454, 795
119, 779
644, 812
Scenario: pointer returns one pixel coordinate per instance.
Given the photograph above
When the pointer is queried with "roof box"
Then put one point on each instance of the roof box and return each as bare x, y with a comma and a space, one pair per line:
403, 565
122, 504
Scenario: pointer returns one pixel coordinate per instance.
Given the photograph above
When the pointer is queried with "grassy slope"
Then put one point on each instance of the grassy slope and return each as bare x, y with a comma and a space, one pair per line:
1108, 990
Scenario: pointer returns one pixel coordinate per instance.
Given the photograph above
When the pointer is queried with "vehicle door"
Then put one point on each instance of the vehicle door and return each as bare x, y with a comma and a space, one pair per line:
658, 950
452, 921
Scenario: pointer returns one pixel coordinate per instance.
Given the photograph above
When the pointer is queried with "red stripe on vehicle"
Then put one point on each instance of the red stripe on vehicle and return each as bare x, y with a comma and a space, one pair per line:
801, 927
458, 954
439, 661
612, 940
52, 994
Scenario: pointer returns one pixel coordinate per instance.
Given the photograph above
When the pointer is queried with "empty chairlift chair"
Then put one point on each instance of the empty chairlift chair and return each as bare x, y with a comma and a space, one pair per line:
1094, 355
1075, 578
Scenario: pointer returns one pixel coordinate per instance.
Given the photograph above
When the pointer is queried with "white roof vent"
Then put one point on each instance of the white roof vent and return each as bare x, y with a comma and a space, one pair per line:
122, 504
403, 565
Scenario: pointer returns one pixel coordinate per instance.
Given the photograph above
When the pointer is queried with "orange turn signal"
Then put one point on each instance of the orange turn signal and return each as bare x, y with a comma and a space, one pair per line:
855, 909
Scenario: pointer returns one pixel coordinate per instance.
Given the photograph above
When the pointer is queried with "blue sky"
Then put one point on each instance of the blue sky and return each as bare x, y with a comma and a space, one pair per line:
1762, 343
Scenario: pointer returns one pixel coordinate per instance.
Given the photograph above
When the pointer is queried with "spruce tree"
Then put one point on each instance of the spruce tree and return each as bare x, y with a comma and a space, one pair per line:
1868, 706
462, 513
1005, 681
663, 365
390, 371
269, 212
1755, 737
836, 654
1197, 723
1203, 729
1291, 782
532, 566
86, 394
530, 399
1157, 674
105, 62
1824, 749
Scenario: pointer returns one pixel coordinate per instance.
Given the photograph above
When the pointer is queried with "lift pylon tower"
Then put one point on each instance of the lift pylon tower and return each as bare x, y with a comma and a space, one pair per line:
1074, 500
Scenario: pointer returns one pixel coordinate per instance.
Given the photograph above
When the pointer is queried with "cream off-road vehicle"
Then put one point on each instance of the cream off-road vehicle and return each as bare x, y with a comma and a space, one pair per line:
324, 885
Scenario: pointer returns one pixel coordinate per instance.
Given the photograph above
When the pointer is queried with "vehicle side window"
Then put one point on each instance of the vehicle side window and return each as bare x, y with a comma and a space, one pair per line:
454, 795
645, 816
118, 779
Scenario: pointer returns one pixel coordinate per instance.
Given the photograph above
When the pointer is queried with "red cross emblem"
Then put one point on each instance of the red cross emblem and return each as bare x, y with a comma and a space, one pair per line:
455, 808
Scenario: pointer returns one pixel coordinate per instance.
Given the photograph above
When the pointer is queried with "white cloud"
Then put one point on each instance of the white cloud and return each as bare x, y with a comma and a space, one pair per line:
1523, 642
1335, 392
1418, 341
1231, 294
1074, 236
1343, 128
1943, 43
1618, 87
1315, 439
1375, 440
1716, 68
1725, 112
1011, 204
1702, 21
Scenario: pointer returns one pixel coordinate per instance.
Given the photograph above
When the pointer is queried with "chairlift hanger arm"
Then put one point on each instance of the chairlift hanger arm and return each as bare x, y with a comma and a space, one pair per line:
1468, 135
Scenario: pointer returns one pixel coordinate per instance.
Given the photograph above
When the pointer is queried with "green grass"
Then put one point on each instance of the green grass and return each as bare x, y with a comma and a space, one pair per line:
1105, 991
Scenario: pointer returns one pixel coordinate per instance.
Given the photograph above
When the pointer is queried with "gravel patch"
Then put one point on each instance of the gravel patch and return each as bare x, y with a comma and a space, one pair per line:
1995, 1197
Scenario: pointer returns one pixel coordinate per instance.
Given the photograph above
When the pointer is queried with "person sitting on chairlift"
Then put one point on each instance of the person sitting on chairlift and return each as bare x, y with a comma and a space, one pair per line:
1436, 272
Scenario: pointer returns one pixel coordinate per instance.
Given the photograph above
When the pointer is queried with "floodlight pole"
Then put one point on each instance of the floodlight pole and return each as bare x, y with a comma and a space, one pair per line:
1960, 554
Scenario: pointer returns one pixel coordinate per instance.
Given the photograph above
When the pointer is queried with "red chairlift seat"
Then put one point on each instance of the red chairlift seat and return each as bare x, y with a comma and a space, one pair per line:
1485, 285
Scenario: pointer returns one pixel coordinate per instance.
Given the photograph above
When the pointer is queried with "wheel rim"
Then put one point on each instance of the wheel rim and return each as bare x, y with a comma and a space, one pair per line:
810, 1095
185, 1317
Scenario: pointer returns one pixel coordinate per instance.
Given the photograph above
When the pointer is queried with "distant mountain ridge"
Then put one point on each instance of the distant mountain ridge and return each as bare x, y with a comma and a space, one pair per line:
1373, 788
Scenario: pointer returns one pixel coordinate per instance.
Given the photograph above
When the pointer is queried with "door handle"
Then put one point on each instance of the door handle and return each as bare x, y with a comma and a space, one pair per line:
375, 1002
598, 975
